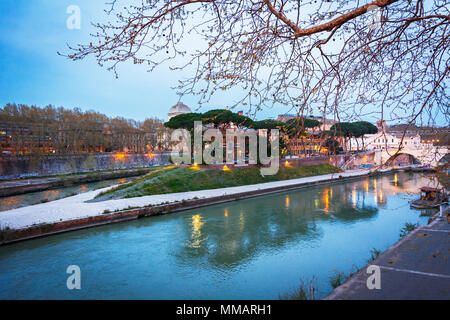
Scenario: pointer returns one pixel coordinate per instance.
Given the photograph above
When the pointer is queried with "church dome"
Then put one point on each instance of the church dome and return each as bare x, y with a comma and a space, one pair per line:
177, 109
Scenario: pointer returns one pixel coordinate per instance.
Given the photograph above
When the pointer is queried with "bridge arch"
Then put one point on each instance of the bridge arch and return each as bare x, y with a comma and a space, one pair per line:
402, 158
444, 160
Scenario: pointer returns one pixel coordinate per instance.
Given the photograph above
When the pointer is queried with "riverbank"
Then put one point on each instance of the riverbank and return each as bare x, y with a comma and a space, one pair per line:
414, 268
22, 186
174, 179
75, 212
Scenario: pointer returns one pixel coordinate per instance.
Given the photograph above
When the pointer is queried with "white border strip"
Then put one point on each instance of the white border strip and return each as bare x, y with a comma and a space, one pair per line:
435, 230
437, 275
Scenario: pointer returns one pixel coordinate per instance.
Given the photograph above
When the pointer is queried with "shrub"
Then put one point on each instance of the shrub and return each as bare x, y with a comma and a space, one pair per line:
408, 228
301, 292
337, 279
374, 253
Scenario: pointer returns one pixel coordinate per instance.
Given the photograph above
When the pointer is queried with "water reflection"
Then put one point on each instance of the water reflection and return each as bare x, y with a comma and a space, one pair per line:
196, 235
251, 226
326, 201
366, 186
380, 197
354, 197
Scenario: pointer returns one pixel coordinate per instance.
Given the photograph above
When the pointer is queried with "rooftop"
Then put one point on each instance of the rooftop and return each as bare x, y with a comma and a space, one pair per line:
180, 107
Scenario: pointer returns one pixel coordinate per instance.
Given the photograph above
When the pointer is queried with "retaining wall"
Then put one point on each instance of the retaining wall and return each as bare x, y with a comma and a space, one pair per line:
21, 166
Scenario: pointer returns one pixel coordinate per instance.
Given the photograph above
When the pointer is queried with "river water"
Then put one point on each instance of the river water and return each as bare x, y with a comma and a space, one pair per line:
257, 248
23, 200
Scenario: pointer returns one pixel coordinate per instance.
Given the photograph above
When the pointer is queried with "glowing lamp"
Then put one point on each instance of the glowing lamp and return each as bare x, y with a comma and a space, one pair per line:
195, 166
119, 156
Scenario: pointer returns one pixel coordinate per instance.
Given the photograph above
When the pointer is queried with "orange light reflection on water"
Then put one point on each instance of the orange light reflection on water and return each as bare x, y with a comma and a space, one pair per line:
326, 200
287, 201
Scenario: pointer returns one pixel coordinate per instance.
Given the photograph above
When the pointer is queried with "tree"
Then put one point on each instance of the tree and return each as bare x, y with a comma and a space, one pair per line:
267, 124
355, 130
242, 121
367, 128
339, 56
346, 130
299, 125
184, 121
332, 145
297, 128
29, 129
218, 117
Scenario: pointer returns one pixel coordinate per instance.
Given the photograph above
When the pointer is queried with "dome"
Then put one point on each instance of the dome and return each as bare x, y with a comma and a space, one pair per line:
177, 109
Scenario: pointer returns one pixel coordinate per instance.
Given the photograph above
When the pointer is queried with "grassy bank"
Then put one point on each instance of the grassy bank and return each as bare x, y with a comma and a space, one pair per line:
174, 179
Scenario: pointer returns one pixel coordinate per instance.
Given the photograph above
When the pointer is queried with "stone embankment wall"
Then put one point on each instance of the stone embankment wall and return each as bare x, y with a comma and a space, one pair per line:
47, 165
13, 167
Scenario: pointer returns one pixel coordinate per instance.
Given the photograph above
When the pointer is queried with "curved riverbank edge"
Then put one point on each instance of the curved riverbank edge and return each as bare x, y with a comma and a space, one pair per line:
22, 186
86, 215
410, 268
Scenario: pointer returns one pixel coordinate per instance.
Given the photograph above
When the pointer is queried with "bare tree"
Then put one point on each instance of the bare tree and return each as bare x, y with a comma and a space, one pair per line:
346, 58
34, 130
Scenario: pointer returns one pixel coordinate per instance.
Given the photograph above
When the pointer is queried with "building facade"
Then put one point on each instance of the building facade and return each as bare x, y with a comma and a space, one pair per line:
387, 138
311, 143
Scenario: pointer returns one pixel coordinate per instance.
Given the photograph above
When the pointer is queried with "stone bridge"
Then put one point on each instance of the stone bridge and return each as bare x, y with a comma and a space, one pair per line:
427, 156
430, 156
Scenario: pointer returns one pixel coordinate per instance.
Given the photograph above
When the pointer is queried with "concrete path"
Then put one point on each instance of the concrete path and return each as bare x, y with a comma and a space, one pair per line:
77, 207
416, 267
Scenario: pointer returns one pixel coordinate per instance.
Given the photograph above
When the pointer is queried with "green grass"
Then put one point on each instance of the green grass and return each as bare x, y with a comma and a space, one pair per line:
176, 179
374, 253
408, 228
300, 293
337, 279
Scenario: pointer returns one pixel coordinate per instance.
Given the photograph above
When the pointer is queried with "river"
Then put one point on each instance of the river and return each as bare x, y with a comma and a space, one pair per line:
257, 248
23, 200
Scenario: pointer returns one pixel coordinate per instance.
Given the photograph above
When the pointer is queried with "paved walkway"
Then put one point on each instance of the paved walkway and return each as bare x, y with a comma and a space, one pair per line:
416, 267
77, 207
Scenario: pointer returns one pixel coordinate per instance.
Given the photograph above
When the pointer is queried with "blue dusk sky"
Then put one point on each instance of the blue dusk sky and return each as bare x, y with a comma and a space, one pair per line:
31, 71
